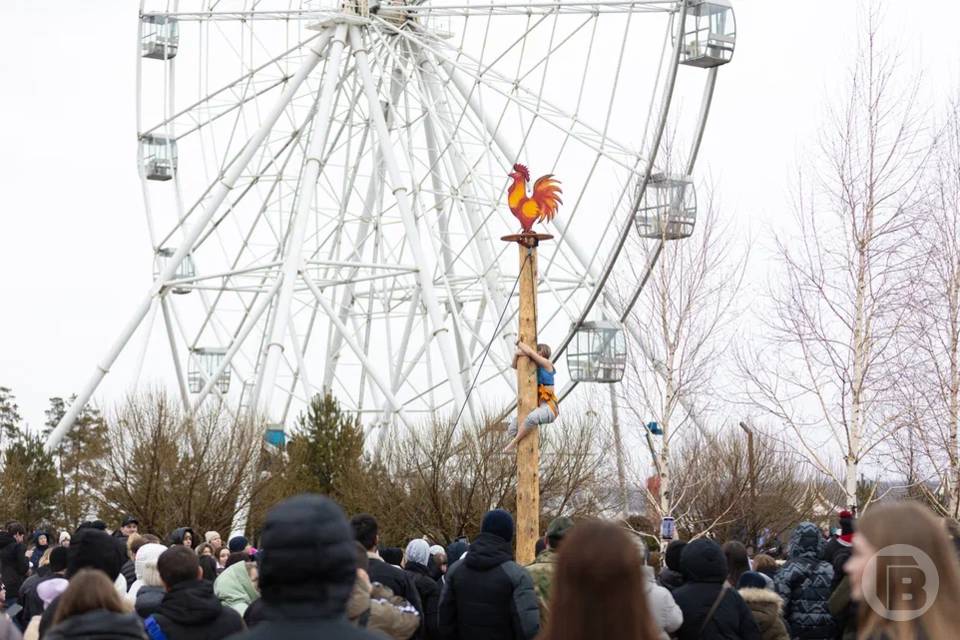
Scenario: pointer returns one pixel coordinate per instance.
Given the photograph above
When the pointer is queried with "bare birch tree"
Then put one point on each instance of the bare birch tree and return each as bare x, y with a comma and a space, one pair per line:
930, 395
681, 320
825, 370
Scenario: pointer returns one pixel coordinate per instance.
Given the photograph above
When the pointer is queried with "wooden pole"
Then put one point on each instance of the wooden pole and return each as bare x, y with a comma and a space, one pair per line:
528, 451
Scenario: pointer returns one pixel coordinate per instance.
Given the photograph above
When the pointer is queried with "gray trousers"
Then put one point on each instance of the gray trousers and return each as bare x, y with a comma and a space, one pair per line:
540, 415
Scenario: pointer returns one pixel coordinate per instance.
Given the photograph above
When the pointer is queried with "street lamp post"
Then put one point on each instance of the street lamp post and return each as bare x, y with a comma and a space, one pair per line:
753, 482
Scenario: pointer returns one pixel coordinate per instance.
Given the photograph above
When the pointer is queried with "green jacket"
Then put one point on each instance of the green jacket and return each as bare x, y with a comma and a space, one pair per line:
234, 587
541, 570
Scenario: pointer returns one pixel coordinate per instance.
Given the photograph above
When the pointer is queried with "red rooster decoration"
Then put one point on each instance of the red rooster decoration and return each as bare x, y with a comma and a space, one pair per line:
540, 206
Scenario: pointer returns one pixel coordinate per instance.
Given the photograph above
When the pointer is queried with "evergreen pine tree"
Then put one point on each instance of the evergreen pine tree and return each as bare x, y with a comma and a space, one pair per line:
326, 448
79, 460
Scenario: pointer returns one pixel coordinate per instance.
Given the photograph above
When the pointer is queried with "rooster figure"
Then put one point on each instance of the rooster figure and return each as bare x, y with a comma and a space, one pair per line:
539, 207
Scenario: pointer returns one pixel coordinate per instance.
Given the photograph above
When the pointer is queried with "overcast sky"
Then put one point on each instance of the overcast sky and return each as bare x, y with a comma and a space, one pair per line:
74, 252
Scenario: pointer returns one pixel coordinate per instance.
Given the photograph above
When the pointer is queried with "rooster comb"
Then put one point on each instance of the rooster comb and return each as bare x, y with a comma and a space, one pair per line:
522, 170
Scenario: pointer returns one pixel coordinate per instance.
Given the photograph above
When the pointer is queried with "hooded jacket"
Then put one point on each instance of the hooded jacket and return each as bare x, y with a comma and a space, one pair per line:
663, 608
488, 596
39, 549
705, 569
307, 571
670, 577
429, 592
805, 584
234, 587
148, 600
767, 608
178, 534
13, 563
98, 624
191, 610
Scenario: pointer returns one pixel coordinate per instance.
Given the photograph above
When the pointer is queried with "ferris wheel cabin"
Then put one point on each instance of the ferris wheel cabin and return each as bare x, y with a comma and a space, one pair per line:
158, 156
668, 208
597, 353
709, 34
204, 363
159, 37
185, 270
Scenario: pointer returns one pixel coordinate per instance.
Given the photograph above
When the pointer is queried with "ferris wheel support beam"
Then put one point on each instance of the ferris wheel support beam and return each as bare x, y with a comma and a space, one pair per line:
219, 194
357, 349
427, 292
491, 273
251, 321
177, 367
347, 299
263, 395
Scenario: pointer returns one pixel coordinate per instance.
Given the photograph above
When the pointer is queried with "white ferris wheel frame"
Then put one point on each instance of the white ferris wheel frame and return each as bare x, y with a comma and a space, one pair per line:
342, 35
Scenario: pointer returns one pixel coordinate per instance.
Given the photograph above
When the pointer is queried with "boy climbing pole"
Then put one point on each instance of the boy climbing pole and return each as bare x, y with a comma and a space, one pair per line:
548, 408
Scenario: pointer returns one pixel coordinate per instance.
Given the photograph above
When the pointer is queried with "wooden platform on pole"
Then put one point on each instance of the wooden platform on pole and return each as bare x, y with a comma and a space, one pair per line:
528, 451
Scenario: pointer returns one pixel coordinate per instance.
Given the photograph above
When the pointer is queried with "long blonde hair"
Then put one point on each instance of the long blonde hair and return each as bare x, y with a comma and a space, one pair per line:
909, 523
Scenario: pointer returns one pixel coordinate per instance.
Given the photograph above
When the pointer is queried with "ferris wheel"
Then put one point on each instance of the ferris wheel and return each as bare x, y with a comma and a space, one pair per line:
324, 188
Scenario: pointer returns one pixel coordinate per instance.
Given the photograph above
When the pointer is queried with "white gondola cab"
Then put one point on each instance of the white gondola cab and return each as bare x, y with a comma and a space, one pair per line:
160, 37
204, 362
597, 353
185, 269
668, 208
158, 156
709, 34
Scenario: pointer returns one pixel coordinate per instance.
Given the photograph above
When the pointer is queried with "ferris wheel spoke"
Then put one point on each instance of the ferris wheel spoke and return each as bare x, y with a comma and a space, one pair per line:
401, 196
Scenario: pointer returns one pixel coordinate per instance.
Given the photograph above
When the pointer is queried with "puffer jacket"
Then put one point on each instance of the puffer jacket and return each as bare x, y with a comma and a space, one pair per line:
191, 610
488, 596
705, 568
663, 609
804, 583
307, 572
98, 624
375, 607
767, 608
148, 600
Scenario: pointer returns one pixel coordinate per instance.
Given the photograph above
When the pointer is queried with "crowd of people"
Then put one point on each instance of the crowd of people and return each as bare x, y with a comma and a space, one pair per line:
316, 574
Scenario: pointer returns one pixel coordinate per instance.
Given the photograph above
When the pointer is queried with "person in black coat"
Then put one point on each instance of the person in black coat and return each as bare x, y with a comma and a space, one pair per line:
366, 532
190, 609
13, 560
704, 567
89, 548
670, 577
308, 566
488, 596
29, 598
416, 565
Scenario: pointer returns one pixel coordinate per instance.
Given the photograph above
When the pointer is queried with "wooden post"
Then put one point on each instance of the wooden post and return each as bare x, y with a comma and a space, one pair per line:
528, 451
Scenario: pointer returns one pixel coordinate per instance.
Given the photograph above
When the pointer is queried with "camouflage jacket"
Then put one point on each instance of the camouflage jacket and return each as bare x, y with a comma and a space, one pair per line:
541, 570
